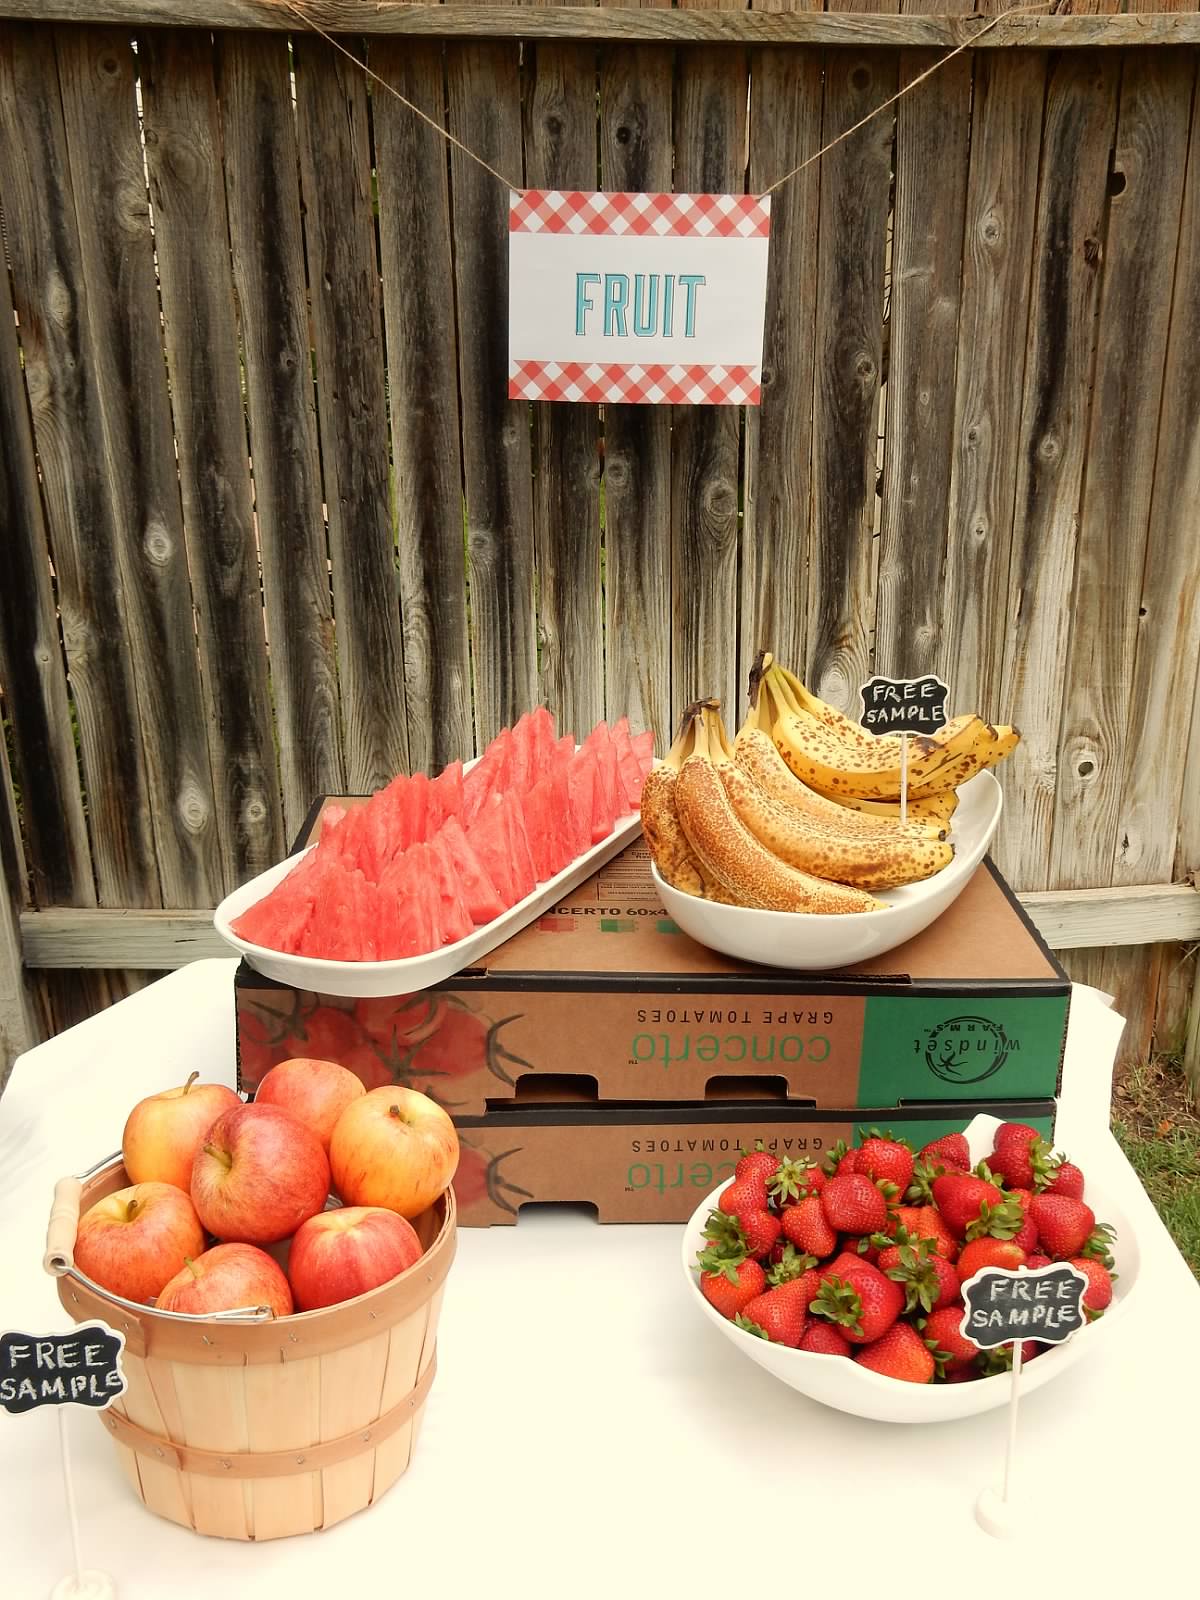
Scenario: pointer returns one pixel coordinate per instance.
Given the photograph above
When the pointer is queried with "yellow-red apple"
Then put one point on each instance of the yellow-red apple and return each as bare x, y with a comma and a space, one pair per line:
134, 1241
258, 1175
393, 1147
229, 1277
164, 1131
315, 1092
345, 1252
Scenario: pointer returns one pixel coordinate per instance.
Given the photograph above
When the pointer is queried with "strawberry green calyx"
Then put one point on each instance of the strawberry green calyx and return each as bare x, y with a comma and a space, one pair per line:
920, 1188
745, 1324
941, 1358
917, 1276
788, 1181
791, 1264
726, 1231
834, 1158
1099, 1245
839, 1300
999, 1221
718, 1261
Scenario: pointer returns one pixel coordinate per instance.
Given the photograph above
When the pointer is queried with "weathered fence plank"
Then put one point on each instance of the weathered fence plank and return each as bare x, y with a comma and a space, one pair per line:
1079, 120
65, 405
31, 657
18, 1022
560, 153
117, 258
418, 301
1006, 128
484, 97
932, 137
266, 246
332, 118
785, 129
710, 158
636, 155
855, 182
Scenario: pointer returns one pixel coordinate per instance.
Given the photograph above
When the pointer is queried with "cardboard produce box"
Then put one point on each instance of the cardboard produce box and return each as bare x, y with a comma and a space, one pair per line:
606, 987
644, 1163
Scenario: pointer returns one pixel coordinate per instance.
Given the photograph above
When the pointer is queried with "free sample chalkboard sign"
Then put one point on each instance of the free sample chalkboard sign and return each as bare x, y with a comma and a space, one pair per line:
80, 1368
1004, 1307
904, 705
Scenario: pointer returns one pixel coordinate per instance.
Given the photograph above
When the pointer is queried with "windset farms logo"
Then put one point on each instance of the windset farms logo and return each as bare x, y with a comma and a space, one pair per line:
966, 1049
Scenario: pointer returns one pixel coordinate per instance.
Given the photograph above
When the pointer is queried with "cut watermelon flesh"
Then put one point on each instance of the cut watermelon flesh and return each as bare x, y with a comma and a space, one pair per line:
522, 769
544, 738
600, 741
628, 766
456, 920
537, 808
445, 798
480, 893
643, 749
524, 872
488, 837
488, 776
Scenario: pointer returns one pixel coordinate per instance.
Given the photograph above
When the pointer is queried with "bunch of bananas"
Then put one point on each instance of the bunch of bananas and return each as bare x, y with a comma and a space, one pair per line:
801, 811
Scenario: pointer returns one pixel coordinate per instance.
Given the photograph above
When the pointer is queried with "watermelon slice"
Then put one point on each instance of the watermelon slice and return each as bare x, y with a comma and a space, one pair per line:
560, 816
488, 837
586, 801
643, 749
279, 920
330, 821
537, 808
524, 872
545, 737
445, 798
480, 893
600, 740
418, 809
339, 929
522, 770
456, 920
378, 840
488, 776
628, 765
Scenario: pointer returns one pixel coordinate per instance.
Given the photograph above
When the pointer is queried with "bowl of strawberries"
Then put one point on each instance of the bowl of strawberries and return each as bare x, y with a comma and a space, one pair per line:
845, 1279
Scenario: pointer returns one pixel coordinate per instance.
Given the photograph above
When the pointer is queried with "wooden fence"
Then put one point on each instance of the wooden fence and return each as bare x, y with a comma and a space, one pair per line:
269, 526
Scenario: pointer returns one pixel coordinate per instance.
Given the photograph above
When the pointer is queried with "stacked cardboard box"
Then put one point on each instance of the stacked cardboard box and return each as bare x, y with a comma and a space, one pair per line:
602, 1056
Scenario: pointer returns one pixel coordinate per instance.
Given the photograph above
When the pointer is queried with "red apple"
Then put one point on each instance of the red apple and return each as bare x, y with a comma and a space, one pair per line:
132, 1242
395, 1148
258, 1175
164, 1131
228, 1277
314, 1092
343, 1253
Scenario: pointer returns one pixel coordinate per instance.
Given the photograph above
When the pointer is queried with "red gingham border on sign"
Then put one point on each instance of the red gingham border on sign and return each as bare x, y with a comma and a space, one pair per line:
737, 216
635, 385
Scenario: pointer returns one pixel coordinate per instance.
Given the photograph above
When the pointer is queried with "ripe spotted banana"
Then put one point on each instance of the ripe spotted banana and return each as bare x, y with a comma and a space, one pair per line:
819, 759
936, 808
726, 848
660, 824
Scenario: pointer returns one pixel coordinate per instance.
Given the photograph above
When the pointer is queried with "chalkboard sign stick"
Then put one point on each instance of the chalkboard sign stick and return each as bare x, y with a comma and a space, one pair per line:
89, 1585
903, 706
903, 777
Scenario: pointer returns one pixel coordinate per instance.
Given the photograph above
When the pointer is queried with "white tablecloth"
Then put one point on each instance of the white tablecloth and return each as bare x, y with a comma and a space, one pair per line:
587, 1433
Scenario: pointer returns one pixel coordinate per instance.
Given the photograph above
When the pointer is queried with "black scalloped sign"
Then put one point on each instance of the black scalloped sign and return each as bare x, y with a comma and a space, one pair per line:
1002, 1307
80, 1368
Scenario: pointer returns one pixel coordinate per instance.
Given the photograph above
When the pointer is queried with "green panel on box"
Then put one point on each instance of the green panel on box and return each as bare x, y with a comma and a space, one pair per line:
986, 1047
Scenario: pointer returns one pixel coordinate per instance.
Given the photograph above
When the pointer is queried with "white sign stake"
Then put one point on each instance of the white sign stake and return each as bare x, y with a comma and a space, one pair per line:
80, 1368
904, 777
1001, 1307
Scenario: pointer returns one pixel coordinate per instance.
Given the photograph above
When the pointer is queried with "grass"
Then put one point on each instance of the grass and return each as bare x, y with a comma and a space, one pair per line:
1160, 1134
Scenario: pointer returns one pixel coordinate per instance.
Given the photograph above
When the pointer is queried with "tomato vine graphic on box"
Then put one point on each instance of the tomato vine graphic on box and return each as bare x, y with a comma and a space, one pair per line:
479, 1174
414, 1040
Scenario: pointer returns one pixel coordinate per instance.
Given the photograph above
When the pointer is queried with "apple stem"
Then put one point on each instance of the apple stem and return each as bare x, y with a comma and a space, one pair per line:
187, 1261
396, 1112
130, 1210
219, 1155
190, 1082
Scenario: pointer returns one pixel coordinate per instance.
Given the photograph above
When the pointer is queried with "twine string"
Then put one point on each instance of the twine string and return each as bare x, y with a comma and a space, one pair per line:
967, 44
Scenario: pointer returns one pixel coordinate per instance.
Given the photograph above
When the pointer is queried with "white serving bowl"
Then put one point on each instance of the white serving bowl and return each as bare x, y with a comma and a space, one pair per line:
371, 979
840, 1382
808, 942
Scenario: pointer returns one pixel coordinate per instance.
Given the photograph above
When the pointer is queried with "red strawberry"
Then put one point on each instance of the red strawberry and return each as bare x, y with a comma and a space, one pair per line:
928, 1280
1008, 1133
853, 1204
795, 1271
789, 1181
815, 1179
1064, 1225
980, 1253
1026, 1234
1066, 1179
865, 1248
1023, 1160
805, 1226
781, 1314
1099, 1294
971, 1206
861, 1300
886, 1160
942, 1328
838, 1266
749, 1233
762, 1230
928, 1223
1034, 1261
821, 1338
733, 1287
899, 1353
951, 1150
757, 1163
744, 1194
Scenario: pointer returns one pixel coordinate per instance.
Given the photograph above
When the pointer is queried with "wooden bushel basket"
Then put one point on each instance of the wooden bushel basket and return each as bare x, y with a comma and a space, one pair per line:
256, 1429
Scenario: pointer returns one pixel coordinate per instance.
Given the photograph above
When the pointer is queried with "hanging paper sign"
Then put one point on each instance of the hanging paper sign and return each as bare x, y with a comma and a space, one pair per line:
904, 705
1045, 1303
654, 299
80, 1368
